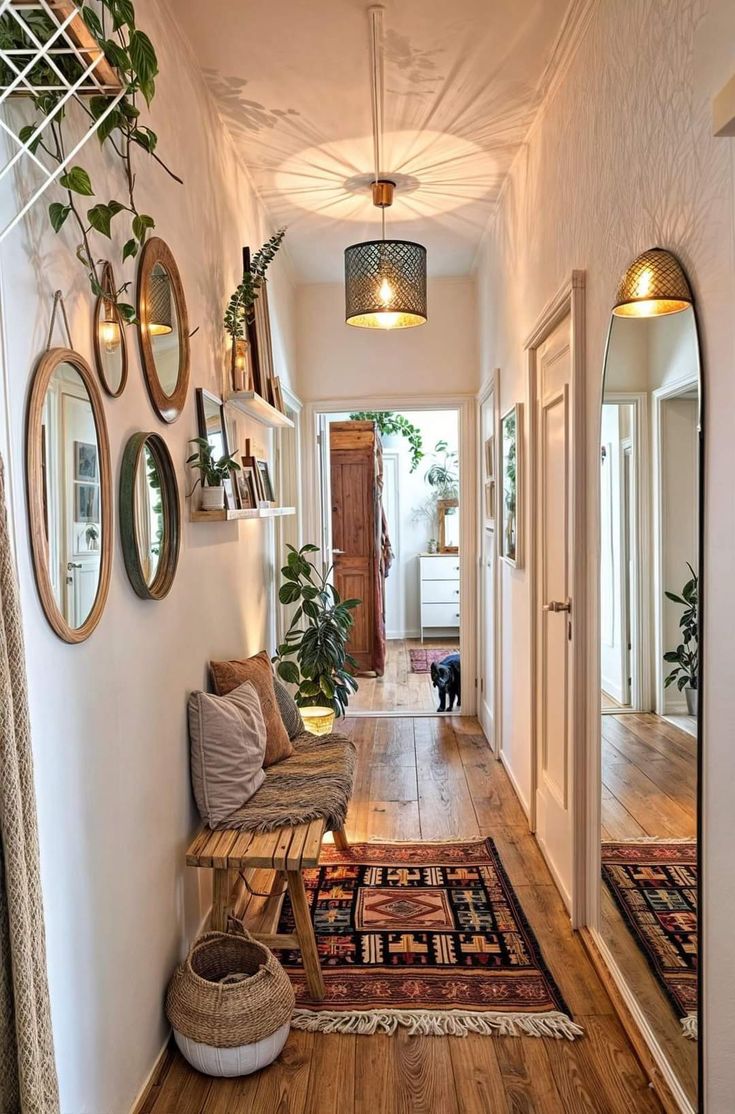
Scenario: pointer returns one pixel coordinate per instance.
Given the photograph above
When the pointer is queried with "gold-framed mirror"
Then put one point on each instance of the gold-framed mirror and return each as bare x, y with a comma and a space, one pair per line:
108, 337
69, 492
163, 329
150, 516
448, 515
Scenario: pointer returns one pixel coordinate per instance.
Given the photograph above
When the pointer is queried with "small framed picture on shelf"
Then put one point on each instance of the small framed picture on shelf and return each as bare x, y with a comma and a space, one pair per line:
247, 487
264, 479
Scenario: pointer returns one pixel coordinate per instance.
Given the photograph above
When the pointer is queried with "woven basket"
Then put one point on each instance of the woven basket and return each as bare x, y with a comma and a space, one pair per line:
229, 991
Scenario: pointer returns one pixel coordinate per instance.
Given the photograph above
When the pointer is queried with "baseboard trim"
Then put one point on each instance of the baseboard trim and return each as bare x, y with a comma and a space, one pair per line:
516, 787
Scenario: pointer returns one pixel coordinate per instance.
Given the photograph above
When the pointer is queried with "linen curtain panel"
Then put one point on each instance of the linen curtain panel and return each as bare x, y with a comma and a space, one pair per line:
28, 1082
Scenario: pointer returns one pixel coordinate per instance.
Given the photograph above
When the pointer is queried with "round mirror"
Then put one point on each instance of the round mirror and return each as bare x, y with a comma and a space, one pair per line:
69, 493
149, 515
163, 329
108, 338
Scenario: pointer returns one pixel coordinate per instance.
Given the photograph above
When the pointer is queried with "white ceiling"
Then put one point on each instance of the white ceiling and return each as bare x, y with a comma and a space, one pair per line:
462, 82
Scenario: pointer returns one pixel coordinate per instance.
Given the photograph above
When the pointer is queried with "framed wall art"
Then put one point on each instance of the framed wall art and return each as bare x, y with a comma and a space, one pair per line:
511, 479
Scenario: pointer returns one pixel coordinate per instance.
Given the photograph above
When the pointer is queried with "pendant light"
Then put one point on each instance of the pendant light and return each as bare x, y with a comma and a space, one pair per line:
653, 286
385, 279
160, 320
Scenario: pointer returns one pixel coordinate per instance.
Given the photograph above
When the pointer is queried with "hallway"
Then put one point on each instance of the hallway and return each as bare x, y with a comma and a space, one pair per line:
435, 779
399, 689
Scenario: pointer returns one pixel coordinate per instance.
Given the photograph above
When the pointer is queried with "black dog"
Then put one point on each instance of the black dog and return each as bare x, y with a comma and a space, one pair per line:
446, 675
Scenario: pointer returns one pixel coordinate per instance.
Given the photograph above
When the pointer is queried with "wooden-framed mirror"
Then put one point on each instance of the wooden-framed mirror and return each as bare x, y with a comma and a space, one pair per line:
651, 530
150, 515
163, 329
108, 337
212, 426
448, 515
69, 492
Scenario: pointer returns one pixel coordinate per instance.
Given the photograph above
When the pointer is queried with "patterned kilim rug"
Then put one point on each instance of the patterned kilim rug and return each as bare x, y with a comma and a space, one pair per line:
421, 659
429, 936
654, 885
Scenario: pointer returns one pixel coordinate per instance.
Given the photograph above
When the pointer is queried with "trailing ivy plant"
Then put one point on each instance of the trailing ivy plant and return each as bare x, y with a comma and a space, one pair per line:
132, 54
317, 636
240, 306
389, 424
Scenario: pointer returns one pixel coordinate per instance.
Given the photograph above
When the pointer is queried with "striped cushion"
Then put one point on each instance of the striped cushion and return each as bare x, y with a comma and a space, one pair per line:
289, 709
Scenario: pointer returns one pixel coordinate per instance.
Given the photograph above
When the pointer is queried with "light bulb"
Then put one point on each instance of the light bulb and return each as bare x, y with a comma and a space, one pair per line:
110, 335
386, 293
643, 286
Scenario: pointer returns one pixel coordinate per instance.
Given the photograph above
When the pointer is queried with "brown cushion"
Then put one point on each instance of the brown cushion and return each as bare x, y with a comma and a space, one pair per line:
227, 675
227, 738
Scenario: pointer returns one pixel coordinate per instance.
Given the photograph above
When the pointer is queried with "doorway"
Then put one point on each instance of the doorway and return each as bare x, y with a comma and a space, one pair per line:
426, 519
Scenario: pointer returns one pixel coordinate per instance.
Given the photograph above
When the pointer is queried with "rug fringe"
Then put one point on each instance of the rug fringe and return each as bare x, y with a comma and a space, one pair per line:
450, 1023
690, 1027
651, 839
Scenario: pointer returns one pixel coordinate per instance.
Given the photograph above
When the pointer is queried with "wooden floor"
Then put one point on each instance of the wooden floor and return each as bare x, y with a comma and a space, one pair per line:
434, 778
400, 690
649, 787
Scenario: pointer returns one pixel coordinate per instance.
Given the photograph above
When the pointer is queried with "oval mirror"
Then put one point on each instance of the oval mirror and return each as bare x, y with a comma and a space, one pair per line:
163, 329
149, 515
108, 338
650, 482
69, 490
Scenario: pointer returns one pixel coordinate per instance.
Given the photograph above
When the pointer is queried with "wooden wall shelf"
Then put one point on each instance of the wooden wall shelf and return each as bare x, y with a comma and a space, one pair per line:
256, 407
235, 515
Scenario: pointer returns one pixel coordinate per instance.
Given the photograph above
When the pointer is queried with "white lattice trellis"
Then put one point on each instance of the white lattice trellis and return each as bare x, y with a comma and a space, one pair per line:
63, 59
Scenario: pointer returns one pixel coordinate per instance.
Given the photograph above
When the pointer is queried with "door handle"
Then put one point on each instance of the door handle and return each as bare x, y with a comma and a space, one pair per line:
73, 565
337, 552
558, 605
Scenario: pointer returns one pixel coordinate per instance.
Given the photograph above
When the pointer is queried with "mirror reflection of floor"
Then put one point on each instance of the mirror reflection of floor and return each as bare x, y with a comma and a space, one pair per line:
648, 789
399, 689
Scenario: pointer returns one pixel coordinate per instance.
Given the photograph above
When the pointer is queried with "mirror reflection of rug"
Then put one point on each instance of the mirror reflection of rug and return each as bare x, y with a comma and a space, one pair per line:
654, 885
430, 936
421, 659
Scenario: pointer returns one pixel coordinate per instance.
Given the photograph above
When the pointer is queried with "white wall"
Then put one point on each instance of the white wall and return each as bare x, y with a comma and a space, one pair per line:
109, 716
337, 361
621, 159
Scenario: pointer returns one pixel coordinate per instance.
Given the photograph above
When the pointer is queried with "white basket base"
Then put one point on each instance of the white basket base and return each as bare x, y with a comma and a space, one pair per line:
228, 1062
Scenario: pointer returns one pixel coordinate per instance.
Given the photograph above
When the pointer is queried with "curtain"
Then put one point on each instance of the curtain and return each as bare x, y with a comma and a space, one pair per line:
27, 1070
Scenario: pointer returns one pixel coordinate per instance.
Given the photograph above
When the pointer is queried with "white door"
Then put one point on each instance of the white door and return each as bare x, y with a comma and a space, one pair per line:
555, 615
488, 558
395, 625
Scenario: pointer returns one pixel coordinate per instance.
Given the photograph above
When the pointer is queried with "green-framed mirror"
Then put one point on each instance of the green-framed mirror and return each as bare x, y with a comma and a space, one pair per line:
150, 515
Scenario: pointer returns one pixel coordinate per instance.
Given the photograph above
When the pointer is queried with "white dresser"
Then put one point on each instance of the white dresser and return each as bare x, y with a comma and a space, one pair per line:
439, 591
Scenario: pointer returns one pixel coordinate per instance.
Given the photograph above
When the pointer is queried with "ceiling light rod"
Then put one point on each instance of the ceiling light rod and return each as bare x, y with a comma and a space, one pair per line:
375, 16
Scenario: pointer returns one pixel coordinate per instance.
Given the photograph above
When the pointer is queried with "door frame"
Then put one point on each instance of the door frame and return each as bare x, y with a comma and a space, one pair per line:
491, 387
466, 407
287, 452
568, 301
393, 456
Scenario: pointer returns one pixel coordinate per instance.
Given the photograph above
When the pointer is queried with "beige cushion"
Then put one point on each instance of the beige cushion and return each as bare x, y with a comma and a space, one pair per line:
227, 737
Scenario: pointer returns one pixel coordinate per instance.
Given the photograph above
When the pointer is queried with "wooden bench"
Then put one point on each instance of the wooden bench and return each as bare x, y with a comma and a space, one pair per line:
232, 854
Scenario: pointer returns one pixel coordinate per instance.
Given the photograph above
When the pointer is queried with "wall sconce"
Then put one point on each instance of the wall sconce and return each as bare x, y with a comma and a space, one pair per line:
654, 285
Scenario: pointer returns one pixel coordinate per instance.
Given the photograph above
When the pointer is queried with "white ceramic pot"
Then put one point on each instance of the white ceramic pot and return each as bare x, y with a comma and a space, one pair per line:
213, 498
227, 1062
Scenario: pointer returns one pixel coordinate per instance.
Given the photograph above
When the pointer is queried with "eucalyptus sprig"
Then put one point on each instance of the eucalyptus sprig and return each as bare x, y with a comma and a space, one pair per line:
132, 54
240, 306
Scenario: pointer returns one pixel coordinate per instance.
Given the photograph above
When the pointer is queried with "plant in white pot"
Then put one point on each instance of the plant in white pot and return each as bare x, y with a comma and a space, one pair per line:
212, 473
685, 657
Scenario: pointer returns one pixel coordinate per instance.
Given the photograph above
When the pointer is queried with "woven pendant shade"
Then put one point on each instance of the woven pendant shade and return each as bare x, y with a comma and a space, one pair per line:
653, 285
385, 284
160, 321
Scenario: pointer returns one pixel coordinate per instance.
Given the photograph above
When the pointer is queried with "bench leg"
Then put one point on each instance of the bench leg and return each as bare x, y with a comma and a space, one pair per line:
222, 905
340, 839
305, 933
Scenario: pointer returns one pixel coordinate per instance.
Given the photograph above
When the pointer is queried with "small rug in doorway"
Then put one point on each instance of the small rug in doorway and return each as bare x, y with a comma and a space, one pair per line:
421, 660
654, 884
427, 936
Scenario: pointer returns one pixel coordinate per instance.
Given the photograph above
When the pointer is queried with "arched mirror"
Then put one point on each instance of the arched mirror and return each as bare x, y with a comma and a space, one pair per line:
108, 337
163, 329
150, 520
69, 491
650, 480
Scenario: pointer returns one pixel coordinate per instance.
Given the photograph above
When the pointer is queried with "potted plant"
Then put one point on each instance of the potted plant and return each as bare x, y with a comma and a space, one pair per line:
240, 306
317, 636
685, 657
212, 473
443, 476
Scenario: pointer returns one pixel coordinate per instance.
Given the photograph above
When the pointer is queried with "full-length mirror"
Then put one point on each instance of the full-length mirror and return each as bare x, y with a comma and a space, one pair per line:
650, 513
149, 515
69, 493
163, 329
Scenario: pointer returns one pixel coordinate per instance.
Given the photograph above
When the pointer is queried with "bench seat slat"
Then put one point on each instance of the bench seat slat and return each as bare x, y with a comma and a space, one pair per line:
297, 847
313, 843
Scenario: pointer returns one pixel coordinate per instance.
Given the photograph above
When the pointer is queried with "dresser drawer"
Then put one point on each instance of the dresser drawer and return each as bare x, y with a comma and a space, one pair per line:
440, 591
443, 567
440, 615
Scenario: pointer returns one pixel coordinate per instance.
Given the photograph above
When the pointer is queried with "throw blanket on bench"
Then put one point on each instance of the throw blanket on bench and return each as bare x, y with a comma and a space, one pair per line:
315, 781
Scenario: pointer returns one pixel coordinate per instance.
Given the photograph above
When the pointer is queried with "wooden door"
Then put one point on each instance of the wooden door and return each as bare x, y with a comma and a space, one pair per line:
555, 618
354, 530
